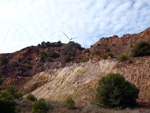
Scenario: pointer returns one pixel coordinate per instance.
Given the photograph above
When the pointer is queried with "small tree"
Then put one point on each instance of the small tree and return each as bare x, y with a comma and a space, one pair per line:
68, 58
59, 44
11, 90
7, 103
115, 92
40, 106
18, 94
69, 103
4, 61
106, 55
141, 48
31, 97
122, 58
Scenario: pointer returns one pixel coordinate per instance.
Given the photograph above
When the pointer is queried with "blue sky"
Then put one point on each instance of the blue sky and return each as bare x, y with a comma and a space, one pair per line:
28, 22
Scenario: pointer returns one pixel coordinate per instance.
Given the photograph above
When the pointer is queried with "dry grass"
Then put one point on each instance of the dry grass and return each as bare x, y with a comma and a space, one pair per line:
25, 106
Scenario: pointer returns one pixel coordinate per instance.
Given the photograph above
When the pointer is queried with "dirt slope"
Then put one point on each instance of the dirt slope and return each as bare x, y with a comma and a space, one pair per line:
80, 80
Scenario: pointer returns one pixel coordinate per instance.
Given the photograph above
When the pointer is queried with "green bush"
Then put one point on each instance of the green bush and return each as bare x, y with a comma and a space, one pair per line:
50, 59
40, 106
4, 61
54, 55
122, 58
42, 58
18, 94
15, 94
48, 44
11, 90
141, 48
69, 103
15, 64
31, 97
116, 92
7, 103
98, 45
59, 44
68, 58
1, 79
106, 55
44, 54
72, 45
86, 51
130, 61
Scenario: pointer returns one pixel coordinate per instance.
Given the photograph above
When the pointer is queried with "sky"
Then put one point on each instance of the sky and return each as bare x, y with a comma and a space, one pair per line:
29, 22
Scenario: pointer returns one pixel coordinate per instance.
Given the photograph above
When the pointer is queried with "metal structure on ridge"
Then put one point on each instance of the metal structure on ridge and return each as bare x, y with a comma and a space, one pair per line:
69, 37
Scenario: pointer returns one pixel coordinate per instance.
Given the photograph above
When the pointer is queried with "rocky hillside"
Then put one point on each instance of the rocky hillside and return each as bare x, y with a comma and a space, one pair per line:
54, 70
119, 45
80, 80
19, 67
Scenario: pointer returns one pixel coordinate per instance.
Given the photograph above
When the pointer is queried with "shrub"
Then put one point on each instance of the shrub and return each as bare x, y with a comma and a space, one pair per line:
47, 44
86, 51
1, 80
69, 103
7, 103
11, 90
26, 61
40, 106
15, 64
72, 45
105, 56
59, 44
68, 58
98, 45
44, 54
141, 48
42, 58
4, 61
43, 44
18, 94
107, 50
27, 66
54, 55
130, 61
31, 97
116, 92
71, 53
122, 58
50, 59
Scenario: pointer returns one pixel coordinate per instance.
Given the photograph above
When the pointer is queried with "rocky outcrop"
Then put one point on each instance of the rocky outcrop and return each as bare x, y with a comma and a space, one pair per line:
80, 80
119, 45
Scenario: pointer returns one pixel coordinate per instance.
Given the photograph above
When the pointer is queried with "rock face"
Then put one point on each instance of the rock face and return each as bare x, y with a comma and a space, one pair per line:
80, 80
57, 79
27, 62
119, 45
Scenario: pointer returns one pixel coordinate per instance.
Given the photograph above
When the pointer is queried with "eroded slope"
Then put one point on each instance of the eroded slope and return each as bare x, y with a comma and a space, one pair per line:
80, 80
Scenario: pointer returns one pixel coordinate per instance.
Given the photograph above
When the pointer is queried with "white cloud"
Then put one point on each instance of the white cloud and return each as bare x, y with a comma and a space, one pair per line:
25, 22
